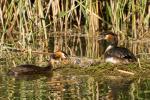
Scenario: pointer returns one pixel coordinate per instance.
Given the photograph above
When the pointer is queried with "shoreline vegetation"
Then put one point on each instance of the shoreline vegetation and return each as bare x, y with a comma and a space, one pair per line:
73, 26
30, 30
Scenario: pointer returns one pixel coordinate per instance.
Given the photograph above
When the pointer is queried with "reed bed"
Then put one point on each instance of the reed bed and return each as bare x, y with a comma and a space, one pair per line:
29, 24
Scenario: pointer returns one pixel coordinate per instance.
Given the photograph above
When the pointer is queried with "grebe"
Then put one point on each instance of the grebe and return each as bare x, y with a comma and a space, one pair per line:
113, 53
29, 69
59, 55
63, 59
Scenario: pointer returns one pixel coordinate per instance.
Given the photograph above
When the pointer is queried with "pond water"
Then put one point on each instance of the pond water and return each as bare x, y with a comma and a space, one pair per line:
59, 86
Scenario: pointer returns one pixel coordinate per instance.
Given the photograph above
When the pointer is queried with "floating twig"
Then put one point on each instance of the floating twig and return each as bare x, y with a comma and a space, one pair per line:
125, 72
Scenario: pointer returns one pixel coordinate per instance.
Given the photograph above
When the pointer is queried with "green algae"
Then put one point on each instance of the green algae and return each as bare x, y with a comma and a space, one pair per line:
109, 71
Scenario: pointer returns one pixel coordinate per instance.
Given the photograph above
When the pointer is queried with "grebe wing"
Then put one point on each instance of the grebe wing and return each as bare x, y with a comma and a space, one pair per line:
120, 52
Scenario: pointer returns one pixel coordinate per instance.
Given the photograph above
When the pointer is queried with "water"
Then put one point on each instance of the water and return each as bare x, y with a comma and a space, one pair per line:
55, 87
59, 86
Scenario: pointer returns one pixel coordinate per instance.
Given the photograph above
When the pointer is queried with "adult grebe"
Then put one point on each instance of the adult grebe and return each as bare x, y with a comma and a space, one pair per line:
113, 53
29, 69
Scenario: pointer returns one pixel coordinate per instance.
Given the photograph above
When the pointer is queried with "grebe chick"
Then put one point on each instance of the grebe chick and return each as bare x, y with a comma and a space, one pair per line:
115, 54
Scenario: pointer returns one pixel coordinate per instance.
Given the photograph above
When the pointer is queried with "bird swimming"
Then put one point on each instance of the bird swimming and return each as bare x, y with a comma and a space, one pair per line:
30, 69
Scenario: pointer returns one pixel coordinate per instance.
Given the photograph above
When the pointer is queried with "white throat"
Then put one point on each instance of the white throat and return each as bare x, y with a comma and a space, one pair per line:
108, 48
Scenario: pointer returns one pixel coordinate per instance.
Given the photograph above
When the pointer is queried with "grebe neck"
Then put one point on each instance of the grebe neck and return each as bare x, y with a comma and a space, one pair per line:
49, 66
109, 47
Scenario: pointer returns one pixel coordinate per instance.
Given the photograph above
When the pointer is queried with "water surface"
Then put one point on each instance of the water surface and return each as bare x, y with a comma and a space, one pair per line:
59, 86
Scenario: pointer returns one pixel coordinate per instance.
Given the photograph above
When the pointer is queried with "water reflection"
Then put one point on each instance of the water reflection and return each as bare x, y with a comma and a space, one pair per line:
57, 87
142, 89
60, 86
71, 87
32, 77
117, 88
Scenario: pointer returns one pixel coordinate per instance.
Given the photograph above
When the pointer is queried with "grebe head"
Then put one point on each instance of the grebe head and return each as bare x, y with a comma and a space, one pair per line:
57, 57
109, 37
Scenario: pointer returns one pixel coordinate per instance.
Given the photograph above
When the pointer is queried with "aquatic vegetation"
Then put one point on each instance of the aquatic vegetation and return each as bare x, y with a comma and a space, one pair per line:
26, 24
105, 70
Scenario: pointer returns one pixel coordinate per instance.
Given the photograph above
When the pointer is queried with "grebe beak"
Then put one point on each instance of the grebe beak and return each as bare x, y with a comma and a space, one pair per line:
101, 37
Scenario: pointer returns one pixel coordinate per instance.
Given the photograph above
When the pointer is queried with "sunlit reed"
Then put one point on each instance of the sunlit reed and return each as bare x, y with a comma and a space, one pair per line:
31, 22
